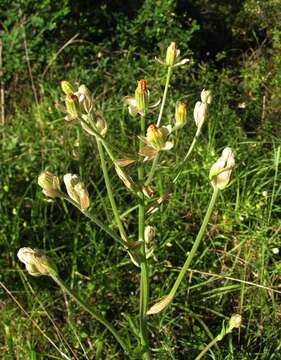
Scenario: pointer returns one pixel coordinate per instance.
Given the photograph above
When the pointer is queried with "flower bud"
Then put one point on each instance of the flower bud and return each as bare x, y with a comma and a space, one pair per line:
171, 54
206, 96
36, 262
85, 97
180, 115
234, 322
50, 184
141, 96
72, 105
67, 87
149, 234
101, 125
154, 137
221, 170
200, 113
77, 191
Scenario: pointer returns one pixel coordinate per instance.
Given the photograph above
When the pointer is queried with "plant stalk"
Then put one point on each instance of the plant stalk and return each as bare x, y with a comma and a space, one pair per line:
212, 343
169, 73
195, 245
188, 153
95, 315
95, 220
110, 193
104, 143
144, 280
152, 170
155, 161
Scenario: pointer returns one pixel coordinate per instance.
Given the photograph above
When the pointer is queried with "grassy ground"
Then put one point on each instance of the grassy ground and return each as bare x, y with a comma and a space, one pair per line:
236, 270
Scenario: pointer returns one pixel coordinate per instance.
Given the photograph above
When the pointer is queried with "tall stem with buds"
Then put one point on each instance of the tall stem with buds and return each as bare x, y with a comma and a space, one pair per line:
144, 281
219, 176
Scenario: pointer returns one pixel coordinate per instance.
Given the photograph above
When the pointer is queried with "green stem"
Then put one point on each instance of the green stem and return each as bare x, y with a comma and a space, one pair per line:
196, 244
169, 73
144, 280
105, 144
95, 220
152, 170
188, 153
95, 315
155, 161
212, 343
110, 193
192, 144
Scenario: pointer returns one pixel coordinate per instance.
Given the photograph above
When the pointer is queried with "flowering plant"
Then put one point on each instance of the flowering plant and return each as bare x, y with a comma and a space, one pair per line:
154, 140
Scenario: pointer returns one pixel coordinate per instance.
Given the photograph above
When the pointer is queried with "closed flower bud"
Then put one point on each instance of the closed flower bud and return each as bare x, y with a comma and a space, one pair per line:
141, 96
206, 96
77, 191
221, 170
171, 54
180, 115
85, 98
67, 87
200, 113
149, 234
36, 262
234, 322
50, 184
101, 125
72, 105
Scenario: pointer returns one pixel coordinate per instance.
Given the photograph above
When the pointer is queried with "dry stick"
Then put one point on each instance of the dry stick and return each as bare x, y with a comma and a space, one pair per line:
36, 97
69, 320
59, 333
70, 41
29, 67
33, 322
2, 97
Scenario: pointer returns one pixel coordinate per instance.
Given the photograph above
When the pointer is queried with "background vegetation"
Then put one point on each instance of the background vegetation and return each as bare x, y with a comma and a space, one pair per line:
234, 47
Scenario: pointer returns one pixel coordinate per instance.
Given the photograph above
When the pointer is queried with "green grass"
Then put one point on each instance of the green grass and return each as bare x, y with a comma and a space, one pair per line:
234, 271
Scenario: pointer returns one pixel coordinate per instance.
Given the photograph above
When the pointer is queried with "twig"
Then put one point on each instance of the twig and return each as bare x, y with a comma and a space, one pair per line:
29, 66
57, 54
2, 96
33, 322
